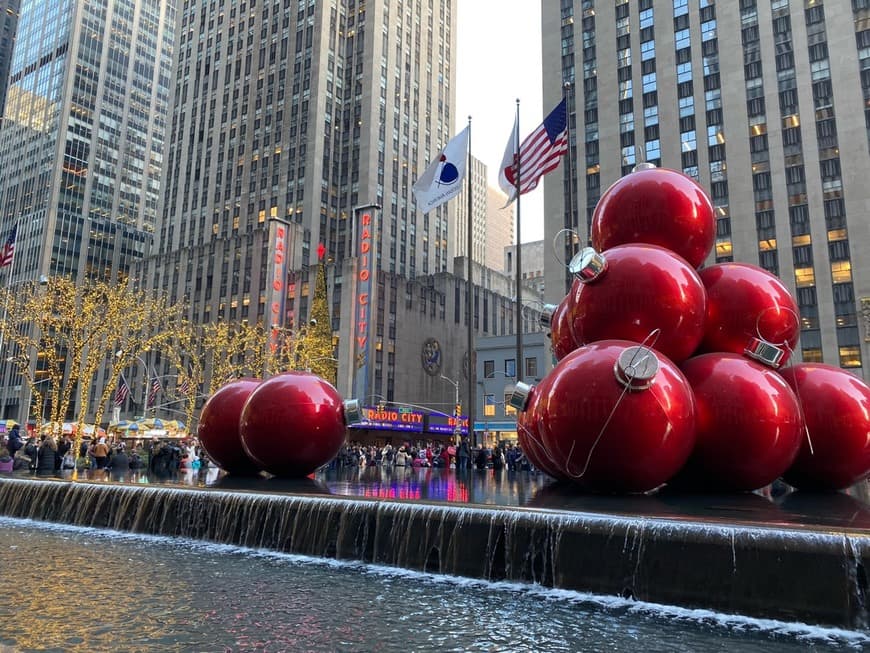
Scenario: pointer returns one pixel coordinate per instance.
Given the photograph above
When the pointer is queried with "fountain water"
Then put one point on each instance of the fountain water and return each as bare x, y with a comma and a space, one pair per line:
791, 574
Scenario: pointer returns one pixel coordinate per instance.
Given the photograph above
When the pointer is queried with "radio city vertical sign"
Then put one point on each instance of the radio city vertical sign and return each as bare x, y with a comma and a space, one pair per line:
279, 261
365, 233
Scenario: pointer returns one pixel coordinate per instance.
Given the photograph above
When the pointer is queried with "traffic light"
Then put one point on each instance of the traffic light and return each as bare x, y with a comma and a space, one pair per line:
458, 410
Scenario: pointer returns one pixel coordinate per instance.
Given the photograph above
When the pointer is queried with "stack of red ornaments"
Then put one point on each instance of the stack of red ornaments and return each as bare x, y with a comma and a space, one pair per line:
668, 373
288, 425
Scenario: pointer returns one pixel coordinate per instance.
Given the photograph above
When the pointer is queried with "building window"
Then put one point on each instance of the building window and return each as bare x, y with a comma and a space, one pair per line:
489, 406
850, 357
488, 369
531, 368
508, 409
510, 368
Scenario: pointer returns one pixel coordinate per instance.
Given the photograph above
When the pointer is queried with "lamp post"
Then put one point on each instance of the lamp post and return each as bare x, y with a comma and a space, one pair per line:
457, 410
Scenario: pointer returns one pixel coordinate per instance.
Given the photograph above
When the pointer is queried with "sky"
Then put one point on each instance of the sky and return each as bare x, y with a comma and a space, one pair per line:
498, 59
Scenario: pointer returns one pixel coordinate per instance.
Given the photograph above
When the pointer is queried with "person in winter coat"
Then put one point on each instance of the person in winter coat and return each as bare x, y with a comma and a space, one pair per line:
15, 442
46, 455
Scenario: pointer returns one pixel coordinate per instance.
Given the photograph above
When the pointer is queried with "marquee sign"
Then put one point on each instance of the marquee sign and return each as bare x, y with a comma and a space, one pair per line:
403, 419
365, 234
279, 249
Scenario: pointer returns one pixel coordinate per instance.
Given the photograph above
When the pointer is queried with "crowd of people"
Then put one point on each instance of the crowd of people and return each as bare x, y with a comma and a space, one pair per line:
44, 454
508, 456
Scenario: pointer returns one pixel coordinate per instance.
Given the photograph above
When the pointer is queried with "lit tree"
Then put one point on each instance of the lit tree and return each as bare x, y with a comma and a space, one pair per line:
63, 334
317, 348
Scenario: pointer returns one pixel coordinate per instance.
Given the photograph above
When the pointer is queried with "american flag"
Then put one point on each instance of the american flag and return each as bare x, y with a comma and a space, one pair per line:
155, 388
122, 392
184, 386
540, 153
9, 248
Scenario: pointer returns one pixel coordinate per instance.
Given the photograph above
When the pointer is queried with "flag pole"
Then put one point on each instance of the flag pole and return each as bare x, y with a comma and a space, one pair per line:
469, 239
519, 292
5, 379
572, 218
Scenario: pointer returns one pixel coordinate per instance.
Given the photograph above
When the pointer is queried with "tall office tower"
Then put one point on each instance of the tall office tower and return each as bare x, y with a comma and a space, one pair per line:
8, 27
459, 238
499, 228
81, 144
288, 115
764, 102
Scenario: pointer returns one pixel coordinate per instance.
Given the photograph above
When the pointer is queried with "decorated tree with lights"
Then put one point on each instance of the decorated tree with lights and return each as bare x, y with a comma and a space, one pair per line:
62, 334
317, 349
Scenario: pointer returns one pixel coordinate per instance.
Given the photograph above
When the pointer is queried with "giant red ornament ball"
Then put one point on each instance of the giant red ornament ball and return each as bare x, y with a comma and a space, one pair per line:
656, 206
292, 424
615, 417
640, 288
218, 430
835, 450
561, 337
749, 424
745, 302
529, 427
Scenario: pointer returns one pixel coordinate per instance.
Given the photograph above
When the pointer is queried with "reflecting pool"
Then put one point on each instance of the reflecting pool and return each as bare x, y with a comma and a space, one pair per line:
77, 589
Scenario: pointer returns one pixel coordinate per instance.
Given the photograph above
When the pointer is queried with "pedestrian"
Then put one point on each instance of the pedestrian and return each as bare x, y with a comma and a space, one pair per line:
463, 456
46, 455
101, 453
15, 442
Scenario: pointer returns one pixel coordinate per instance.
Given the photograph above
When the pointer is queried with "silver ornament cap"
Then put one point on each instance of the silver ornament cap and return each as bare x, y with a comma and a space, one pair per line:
644, 165
519, 398
587, 265
636, 368
352, 411
766, 353
546, 318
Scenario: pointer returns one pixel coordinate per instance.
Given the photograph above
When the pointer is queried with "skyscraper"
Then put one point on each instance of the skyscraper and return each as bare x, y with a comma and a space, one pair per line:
288, 115
499, 228
8, 27
477, 173
764, 102
81, 144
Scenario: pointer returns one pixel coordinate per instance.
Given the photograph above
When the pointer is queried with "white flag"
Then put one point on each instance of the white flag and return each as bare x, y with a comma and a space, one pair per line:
442, 180
508, 161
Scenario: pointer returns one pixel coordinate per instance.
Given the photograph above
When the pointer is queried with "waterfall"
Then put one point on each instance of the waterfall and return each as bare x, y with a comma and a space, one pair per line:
804, 575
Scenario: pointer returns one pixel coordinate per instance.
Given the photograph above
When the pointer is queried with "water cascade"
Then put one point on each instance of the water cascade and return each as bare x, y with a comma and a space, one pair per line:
799, 575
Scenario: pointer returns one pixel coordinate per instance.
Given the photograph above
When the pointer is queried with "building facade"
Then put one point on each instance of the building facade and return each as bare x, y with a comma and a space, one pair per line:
8, 27
496, 378
302, 117
764, 102
499, 228
477, 175
82, 140
533, 258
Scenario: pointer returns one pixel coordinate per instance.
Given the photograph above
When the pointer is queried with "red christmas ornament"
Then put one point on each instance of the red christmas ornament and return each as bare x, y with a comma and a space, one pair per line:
558, 320
656, 206
835, 450
632, 290
745, 302
749, 424
218, 430
614, 416
529, 434
292, 424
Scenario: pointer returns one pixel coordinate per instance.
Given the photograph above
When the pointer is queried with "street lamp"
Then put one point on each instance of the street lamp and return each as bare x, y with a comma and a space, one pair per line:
457, 410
